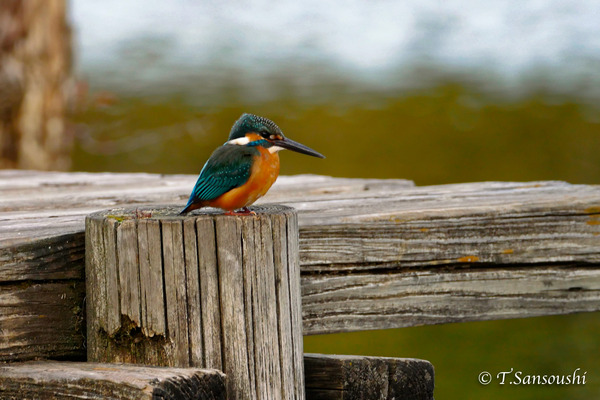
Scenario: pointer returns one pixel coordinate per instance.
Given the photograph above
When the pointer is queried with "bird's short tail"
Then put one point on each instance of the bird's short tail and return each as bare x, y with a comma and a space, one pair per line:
186, 210
191, 206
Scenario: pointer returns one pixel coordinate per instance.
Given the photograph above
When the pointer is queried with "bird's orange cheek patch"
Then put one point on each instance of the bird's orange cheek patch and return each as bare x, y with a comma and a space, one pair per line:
253, 136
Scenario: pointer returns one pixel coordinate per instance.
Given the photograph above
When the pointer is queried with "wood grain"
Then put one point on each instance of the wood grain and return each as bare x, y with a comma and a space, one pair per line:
284, 311
42, 320
378, 239
193, 296
128, 285
375, 300
484, 223
52, 258
36, 205
227, 289
210, 299
333, 377
233, 308
175, 292
78, 380
295, 297
151, 278
114, 275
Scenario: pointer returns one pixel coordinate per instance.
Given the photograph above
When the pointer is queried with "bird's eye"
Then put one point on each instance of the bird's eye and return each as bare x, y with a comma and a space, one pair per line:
264, 134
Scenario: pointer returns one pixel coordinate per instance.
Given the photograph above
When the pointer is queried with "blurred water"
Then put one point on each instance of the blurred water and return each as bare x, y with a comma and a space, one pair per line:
201, 48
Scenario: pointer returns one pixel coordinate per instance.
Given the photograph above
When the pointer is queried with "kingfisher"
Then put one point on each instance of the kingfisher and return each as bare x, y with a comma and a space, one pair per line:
243, 169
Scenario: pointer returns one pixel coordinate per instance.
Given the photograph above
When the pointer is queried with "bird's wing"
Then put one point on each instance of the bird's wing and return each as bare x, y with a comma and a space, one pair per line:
227, 168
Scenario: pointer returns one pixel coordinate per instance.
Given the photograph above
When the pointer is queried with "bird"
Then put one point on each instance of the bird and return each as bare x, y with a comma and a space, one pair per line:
244, 168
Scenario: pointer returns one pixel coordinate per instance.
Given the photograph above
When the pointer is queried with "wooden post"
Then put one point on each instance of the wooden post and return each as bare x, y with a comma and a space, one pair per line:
206, 290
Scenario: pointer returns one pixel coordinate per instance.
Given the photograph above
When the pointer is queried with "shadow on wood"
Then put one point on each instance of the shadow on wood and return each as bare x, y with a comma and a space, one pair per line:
205, 290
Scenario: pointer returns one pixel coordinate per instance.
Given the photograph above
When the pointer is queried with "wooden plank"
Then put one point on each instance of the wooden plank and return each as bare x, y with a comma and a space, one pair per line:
42, 320
345, 303
36, 205
333, 377
192, 281
209, 292
151, 278
264, 305
249, 250
175, 291
126, 254
493, 223
293, 262
112, 279
235, 344
57, 257
78, 380
284, 316
94, 285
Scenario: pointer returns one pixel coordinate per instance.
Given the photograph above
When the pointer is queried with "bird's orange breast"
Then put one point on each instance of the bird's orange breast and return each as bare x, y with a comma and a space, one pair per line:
264, 172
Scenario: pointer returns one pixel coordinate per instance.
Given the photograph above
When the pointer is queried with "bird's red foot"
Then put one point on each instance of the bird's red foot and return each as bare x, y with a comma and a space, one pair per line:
243, 211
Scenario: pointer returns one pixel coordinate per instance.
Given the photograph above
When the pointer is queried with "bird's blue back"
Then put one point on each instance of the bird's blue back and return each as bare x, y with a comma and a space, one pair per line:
227, 168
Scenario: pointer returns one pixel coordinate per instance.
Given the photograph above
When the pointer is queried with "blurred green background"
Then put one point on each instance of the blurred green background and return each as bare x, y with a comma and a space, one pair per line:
529, 111
443, 134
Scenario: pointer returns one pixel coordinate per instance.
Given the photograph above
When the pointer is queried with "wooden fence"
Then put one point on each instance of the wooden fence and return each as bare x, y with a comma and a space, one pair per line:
373, 254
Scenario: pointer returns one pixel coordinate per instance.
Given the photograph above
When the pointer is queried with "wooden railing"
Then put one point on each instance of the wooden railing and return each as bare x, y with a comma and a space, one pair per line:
374, 254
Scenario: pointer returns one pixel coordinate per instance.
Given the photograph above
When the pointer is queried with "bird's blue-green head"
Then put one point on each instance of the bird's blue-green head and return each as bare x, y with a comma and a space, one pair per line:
252, 130
250, 123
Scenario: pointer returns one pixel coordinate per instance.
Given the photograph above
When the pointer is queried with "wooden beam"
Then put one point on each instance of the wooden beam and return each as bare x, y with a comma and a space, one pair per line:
53, 258
382, 299
36, 205
494, 223
42, 320
334, 377
373, 253
78, 380
345, 224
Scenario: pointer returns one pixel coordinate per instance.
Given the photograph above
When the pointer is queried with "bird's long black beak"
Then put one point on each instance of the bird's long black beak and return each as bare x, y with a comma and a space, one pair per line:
297, 147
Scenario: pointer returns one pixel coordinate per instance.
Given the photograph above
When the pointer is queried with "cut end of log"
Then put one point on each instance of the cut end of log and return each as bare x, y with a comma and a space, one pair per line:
360, 377
162, 212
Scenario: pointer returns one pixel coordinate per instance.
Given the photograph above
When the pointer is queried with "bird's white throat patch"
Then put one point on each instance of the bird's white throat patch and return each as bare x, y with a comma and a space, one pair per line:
240, 141
275, 149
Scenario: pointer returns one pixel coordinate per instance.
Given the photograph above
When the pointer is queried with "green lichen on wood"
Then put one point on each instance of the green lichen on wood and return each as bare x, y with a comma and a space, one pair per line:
118, 218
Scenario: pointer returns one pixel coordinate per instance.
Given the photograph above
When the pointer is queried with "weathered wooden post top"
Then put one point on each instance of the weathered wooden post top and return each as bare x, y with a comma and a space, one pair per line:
205, 290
